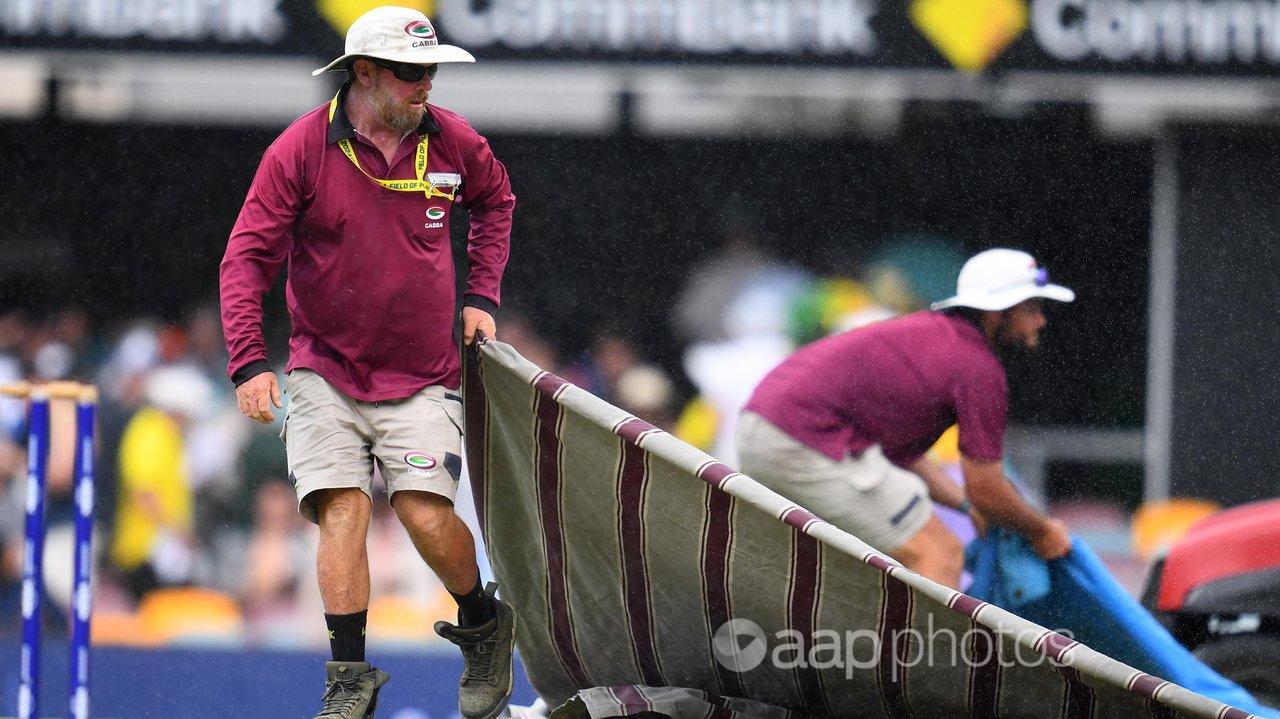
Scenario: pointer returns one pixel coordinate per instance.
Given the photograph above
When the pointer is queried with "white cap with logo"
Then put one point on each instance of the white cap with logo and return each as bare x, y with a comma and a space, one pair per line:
998, 279
397, 34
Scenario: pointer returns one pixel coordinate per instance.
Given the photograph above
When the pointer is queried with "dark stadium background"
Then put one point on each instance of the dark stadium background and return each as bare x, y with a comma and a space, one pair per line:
607, 228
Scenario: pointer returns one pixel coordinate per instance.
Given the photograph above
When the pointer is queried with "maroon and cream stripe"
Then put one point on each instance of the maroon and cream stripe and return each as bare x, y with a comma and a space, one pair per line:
634, 430
802, 612
720, 708
1149, 687
717, 474
802, 599
1078, 699
549, 415
895, 619
630, 699
799, 517
984, 659
717, 544
984, 673
632, 489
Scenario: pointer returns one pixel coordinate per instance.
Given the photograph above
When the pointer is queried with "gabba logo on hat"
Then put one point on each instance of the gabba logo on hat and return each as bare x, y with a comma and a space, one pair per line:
394, 34
420, 29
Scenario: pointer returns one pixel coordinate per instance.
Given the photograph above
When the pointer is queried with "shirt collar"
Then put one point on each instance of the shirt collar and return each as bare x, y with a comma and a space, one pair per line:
340, 127
965, 327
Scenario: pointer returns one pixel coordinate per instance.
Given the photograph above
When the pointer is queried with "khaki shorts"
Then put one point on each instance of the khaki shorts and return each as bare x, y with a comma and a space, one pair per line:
333, 441
867, 496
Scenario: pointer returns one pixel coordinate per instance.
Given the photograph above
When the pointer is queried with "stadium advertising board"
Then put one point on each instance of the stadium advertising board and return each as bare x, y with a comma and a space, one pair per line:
1198, 37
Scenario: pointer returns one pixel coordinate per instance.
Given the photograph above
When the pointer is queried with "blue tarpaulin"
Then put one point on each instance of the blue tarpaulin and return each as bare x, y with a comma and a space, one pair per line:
1077, 594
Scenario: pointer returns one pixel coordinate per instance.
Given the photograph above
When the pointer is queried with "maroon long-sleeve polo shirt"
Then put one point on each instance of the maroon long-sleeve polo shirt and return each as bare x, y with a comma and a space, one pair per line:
370, 285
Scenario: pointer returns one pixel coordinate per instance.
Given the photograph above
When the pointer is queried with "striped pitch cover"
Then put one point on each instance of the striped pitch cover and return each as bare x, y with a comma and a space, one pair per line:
634, 560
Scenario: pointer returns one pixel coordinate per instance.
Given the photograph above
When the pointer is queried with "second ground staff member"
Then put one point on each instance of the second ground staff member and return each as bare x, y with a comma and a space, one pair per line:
356, 196
842, 426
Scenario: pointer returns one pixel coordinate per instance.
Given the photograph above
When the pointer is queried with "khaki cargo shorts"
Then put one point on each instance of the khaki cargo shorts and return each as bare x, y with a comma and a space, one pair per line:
867, 496
333, 441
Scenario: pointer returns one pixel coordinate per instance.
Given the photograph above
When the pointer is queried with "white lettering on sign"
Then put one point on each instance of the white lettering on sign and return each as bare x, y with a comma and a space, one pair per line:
258, 21
1182, 32
825, 27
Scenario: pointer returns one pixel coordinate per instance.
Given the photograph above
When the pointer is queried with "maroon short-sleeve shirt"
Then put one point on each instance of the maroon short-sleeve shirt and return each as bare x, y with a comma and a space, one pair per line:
899, 383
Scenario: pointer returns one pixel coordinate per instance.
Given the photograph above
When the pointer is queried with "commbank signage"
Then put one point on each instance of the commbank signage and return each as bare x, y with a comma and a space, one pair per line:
1181, 33
1228, 37
1235, 36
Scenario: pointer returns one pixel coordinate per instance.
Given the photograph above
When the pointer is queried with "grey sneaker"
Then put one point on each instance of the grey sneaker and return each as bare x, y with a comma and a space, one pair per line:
486, 680
351, 690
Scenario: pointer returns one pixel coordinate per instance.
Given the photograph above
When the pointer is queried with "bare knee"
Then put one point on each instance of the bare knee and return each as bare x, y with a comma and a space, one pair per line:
934, 552
951, 554
428, 513
342, 512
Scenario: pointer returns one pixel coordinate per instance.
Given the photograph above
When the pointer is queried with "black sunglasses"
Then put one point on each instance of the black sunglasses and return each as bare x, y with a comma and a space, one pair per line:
407, 72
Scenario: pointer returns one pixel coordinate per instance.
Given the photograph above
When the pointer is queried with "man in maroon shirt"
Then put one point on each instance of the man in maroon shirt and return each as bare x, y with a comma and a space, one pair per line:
842, 426
356, 196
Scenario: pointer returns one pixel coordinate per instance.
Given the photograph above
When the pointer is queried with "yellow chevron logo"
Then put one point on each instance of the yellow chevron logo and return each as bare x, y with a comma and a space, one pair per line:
970, 33
341, 13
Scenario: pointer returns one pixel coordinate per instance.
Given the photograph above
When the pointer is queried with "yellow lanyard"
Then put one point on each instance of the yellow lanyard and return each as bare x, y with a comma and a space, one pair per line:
419, 166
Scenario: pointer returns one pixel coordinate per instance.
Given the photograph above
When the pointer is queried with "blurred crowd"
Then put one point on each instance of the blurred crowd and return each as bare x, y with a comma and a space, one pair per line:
188, 493
195, 515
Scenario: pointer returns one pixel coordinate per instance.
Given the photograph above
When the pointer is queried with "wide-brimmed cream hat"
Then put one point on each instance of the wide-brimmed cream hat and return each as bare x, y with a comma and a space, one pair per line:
999, 279
398, 34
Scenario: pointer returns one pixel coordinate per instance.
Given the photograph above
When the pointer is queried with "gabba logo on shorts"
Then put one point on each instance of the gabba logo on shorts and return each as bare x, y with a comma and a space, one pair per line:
419, 462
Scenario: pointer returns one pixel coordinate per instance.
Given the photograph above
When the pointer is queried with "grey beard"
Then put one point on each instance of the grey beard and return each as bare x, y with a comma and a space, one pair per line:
400, 119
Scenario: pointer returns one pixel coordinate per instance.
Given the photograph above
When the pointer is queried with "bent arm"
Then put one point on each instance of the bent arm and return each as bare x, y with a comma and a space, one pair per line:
488, 197
942, 489
996, 498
